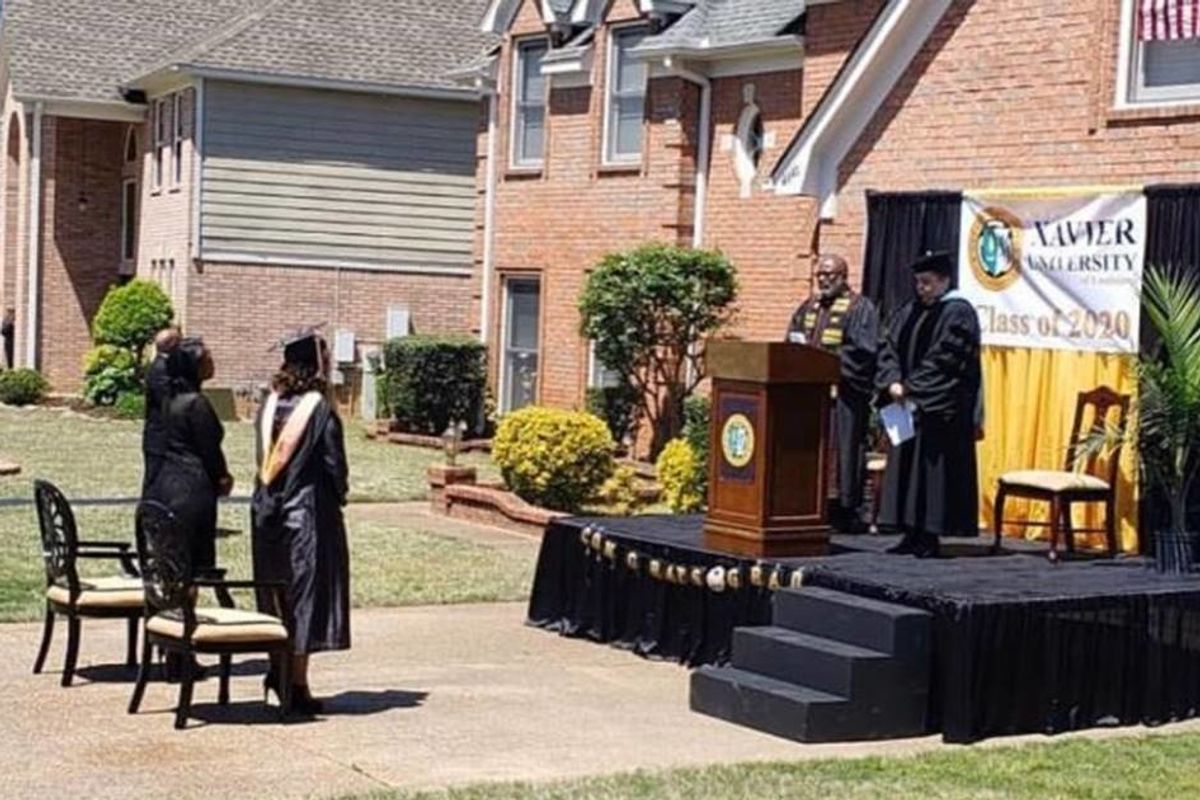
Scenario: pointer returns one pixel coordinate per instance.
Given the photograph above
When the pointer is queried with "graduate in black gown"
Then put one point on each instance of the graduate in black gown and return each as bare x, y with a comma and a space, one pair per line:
930, 357
299, 533
846, 324
193, 473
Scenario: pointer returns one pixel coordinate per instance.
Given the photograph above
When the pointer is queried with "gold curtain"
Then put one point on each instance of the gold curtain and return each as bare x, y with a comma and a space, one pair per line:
1029, 407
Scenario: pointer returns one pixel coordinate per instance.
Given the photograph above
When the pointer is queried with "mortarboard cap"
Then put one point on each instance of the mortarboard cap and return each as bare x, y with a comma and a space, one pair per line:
938, 262
302, 346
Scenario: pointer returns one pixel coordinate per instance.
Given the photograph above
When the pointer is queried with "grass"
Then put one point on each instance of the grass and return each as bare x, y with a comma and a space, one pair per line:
88, 457
1127, 768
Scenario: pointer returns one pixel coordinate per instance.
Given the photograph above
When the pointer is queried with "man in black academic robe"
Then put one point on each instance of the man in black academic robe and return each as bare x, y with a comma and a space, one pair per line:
847, 325
930, 358
154, 431
8, 330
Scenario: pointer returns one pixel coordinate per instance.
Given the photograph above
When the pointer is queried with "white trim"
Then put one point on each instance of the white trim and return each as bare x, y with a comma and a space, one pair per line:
489, 222
34, 272
363, 87
505, 325
516, 77
128, 264
756, 65
810, 164
775, 46
111, 110
196, 246
1130, 56
254, 259
610, 72
703, 150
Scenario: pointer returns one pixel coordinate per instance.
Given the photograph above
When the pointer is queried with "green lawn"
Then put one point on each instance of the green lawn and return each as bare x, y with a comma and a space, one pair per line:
88, 457
1127, 768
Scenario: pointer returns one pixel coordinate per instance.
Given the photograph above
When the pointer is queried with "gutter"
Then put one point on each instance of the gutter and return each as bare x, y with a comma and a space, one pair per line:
34, 212
782, 44
489, 223
704, 149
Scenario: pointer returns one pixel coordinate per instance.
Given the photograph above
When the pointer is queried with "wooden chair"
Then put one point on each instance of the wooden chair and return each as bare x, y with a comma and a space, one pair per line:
1061, 489
174, 623
117, 596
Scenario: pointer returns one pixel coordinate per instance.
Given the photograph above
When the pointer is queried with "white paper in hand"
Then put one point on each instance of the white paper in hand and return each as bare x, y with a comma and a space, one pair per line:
897, 419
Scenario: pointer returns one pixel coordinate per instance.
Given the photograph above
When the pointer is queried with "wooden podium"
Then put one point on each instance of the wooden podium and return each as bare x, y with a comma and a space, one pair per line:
767, 465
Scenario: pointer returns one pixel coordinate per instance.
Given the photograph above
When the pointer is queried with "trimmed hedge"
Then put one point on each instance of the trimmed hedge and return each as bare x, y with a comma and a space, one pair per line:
553, 458
432, 381
131, 314
22, 387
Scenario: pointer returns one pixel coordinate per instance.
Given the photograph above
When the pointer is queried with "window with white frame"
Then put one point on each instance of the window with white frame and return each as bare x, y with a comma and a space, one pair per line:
177, 139
129, 223
600, 376
1163, 45
529, 104
161, 129
626, 98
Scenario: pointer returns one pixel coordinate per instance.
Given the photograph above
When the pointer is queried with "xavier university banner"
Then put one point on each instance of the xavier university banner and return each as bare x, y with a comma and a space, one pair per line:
1055, 271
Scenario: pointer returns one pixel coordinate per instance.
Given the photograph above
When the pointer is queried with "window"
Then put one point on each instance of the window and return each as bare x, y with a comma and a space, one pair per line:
626, 98
129, 223
748, 148
600, 376
529, 104
1162, 39
131, 145
177, 140
161, 128
522, 316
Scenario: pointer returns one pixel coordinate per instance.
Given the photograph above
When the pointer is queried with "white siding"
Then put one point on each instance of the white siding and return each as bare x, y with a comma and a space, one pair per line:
320, 176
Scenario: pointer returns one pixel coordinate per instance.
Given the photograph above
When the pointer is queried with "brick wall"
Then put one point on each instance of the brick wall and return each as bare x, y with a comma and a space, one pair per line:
240, 310
81, 163
1005, 93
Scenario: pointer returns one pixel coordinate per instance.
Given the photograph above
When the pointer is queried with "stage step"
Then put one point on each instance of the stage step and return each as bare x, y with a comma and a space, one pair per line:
770, 705
833, 667
899, 631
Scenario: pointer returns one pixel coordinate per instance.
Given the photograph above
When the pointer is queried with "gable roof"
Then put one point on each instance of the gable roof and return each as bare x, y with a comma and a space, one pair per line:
84, 50
713, 25
387, 43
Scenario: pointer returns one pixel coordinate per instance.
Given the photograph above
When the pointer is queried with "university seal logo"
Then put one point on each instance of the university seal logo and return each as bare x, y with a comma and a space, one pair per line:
994, 248
737, 440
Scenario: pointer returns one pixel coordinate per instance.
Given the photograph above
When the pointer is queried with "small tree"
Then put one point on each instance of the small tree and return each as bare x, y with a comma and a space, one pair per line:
130, 316
649, 311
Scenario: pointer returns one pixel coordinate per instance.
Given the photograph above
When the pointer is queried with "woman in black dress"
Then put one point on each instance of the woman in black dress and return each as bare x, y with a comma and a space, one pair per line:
299, 533
193, 473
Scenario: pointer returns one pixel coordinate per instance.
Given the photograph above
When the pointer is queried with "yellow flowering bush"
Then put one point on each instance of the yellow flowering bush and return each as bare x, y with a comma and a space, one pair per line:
682, 477
620, 492
553, 458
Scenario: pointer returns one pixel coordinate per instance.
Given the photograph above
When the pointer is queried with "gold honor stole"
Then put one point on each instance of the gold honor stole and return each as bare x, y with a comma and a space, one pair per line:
831, 337
276, 456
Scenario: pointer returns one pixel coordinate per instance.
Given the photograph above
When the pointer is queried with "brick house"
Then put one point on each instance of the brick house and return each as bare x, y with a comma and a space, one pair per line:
268, 163
758, 126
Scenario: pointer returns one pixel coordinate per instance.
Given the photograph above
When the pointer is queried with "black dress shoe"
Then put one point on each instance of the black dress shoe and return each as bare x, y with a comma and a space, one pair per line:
906, 547
926, 546
304, 703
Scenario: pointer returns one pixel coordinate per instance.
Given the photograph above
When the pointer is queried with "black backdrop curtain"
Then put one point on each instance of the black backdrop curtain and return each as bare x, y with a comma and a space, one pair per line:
900, 227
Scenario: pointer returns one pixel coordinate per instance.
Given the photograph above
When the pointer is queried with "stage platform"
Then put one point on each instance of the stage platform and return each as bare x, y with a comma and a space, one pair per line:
1020, 644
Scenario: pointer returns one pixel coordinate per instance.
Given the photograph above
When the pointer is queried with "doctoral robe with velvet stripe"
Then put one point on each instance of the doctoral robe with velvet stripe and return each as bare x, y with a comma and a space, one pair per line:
299, 531
931, 483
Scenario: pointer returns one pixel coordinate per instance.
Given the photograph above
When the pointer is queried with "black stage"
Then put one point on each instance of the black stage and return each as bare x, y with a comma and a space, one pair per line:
1021, 645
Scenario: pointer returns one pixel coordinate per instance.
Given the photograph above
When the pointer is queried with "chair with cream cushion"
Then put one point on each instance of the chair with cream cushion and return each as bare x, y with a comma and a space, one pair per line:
67, 594
1076, 482
175, 623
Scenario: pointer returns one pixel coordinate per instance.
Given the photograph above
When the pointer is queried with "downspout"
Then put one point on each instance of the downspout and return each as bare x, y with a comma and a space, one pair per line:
704, 147
197, 169
489, 222
35, 239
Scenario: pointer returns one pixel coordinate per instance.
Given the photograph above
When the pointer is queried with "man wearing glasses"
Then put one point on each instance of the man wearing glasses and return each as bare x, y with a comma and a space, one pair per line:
846, 324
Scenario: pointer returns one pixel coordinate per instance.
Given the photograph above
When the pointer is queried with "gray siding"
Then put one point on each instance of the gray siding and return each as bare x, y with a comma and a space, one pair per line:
333, 177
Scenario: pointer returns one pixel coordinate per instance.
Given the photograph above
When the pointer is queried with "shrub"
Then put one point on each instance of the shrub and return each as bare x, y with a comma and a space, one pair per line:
617, 406
22, 387
130, 316
553, 458
432, 381
682, 478
697, 417
131, 405
619, 493
110, 372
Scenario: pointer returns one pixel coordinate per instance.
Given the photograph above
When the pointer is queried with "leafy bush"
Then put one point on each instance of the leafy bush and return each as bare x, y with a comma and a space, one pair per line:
431, 381
681, 475
697, 418
131, 315
131, 405
617, 406
22, 387
620, 492
649, 311
553, 458
110, 372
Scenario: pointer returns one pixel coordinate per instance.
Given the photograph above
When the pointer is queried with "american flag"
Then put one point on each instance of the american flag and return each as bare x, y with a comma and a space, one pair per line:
1160, 20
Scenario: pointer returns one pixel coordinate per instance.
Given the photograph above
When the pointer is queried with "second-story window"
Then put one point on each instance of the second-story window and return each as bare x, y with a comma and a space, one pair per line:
160, 140
626, 99
529, 104
177, 139
1165, 51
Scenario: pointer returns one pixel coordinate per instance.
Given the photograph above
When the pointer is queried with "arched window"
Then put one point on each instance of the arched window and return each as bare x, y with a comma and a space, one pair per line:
748, 147
132, 151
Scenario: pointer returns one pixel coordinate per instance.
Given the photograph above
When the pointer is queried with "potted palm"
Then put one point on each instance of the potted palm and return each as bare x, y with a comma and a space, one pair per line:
1167, 432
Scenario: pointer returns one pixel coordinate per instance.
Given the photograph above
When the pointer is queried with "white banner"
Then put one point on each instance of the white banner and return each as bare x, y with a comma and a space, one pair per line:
1061, 272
